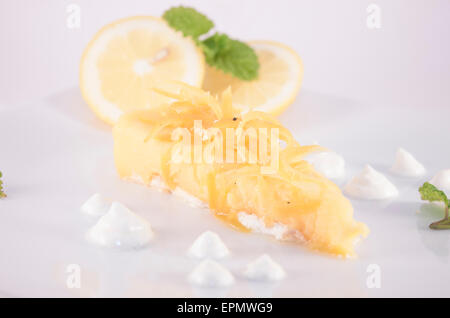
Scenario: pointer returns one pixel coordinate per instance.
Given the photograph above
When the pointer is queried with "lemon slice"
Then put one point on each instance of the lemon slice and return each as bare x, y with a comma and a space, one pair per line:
124, 60
280, 77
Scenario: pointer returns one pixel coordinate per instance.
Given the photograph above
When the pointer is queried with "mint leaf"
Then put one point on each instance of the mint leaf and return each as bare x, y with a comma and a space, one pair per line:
430, 193
231, 56
213, 45
2, 194
189, 21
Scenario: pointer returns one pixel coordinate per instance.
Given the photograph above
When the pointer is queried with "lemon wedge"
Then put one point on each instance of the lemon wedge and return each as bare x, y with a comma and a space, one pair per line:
279, 80
124, 60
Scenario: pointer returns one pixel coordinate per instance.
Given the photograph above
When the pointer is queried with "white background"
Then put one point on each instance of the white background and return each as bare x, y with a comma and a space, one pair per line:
366, 92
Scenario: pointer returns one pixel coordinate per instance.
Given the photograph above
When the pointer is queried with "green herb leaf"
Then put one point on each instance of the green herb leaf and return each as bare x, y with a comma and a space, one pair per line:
229, 55
2, 194
189, 21
430, 193
213, 45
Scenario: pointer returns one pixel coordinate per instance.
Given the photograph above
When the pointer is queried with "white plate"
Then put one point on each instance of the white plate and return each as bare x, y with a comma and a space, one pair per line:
56, 154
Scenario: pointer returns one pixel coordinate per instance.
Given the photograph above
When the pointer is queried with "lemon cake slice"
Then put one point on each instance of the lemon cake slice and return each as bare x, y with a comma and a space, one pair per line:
275, 186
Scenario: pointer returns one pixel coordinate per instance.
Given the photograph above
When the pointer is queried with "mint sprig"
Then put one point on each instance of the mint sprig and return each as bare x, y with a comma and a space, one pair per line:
231, 56
430, 193
2, 193
189, 21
